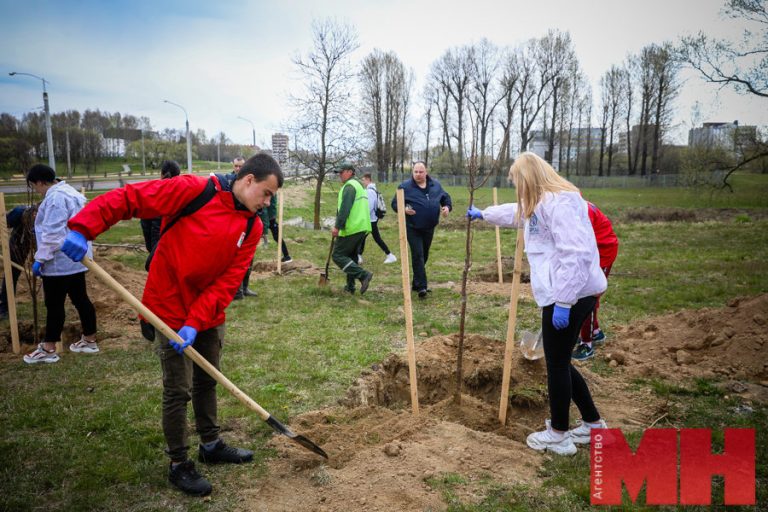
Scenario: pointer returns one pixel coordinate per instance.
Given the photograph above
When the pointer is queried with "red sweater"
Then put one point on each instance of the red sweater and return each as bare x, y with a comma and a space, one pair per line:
607, 242
198, 264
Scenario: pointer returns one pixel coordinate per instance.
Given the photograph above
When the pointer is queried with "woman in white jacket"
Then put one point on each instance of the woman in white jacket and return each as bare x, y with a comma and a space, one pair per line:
61, 276
565, 279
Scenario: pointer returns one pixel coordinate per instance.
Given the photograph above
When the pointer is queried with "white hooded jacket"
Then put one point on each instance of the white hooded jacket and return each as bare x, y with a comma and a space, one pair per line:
561, 248
60, 203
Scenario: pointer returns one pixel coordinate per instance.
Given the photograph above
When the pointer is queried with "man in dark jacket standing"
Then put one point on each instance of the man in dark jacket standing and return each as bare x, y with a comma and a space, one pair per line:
425, 201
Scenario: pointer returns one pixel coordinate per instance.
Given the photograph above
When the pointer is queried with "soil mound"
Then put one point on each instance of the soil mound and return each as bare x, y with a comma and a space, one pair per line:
714, 343
382, 457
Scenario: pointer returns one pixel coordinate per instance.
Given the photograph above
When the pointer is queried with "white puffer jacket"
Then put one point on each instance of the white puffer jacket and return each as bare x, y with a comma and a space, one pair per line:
561, 248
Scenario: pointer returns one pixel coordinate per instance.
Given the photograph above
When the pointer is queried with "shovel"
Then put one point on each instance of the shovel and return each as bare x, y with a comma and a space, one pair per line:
323, 281
198, 359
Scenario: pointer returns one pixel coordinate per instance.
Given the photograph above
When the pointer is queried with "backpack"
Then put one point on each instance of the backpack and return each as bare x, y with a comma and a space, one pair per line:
381, 206
147, 329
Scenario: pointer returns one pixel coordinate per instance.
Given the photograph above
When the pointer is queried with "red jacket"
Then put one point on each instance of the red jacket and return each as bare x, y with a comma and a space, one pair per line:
607, 242
197, 266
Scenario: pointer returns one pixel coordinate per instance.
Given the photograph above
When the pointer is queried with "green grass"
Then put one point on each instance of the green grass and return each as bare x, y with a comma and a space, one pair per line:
84, 434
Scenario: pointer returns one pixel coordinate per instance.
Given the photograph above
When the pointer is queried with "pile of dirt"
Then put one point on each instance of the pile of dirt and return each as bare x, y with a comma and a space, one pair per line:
714, 343
382, 457
114, 317
490, 273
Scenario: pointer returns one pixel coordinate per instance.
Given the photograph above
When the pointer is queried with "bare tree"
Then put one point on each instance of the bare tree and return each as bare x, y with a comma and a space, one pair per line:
629, 71
429, 104
453, 71
612, 85
665, 73
647, 101
484, 94
372, 90
741, 65
531, 87
405, 100
555, 55
323, 119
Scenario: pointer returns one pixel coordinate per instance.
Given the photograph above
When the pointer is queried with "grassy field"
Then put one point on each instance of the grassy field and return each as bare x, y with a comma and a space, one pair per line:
84, 434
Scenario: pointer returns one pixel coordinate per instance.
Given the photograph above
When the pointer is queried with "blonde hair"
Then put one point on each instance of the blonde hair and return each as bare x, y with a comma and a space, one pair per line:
533, 177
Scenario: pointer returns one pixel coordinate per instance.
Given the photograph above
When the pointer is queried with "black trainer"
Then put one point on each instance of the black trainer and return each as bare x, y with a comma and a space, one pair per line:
222, 453
186, 478
364, 282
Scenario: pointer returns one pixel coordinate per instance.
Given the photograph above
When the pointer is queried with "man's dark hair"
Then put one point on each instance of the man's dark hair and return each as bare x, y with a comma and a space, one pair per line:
261, 166
170, 169
41, 173
368, 175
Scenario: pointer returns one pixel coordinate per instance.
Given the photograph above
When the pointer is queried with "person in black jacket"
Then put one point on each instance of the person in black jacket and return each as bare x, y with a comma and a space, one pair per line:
150, 228
19, 243
425, 201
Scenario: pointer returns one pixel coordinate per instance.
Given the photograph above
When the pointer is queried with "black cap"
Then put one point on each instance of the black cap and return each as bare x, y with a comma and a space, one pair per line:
344, 166
41, 173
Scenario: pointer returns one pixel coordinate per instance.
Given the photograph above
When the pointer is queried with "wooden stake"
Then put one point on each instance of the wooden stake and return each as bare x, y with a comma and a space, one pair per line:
10, 296
279, 231
404, 264
511, 324
498, 239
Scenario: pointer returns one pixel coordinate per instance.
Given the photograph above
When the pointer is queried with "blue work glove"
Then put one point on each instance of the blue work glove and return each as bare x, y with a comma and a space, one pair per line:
188, 334
560, 317
474, 213
37, 269
75, 246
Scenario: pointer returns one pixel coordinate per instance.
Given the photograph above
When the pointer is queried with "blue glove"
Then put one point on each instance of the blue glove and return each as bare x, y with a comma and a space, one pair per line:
560, 317
37, 269
75, 246
188, 334
474, 213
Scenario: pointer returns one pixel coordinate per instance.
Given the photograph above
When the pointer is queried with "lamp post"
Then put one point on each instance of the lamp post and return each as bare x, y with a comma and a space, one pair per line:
253, 128
189, 141
49, 133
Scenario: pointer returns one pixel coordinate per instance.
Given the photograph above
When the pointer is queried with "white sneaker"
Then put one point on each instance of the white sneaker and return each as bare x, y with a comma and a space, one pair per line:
359, 259
84, 347
391, 258
560, 444
581, 434
40, 355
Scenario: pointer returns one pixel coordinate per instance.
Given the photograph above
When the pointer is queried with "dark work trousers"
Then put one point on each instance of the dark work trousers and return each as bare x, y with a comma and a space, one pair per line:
376, 238
56, 289
184, 381
345, 251
564, 382
273, 230
419, 240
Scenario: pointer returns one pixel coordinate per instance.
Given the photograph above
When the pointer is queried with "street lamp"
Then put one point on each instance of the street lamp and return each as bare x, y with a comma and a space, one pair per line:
49, 133
253, 128
189, 141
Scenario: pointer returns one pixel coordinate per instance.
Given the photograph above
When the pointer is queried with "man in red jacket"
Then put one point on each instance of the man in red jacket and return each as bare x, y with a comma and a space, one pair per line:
198, 265
608, 247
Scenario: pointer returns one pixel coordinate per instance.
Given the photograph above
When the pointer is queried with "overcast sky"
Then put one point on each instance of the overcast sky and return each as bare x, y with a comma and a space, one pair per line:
225, 59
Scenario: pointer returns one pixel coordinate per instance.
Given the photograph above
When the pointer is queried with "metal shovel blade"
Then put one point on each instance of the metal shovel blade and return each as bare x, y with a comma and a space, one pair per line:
296, 438
323, 281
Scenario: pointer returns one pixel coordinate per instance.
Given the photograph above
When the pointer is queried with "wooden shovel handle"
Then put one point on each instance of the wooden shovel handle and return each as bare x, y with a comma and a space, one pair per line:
161, 326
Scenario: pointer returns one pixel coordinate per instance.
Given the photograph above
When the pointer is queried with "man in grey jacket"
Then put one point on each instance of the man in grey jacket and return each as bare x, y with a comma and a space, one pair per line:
61, 276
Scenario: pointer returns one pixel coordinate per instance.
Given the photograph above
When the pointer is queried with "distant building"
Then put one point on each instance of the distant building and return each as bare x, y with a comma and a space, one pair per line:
280, 148
729, 136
